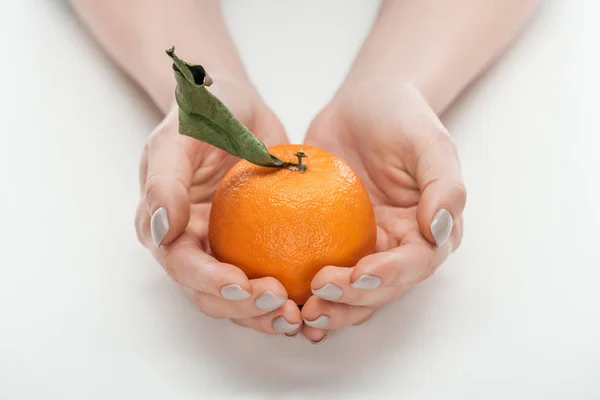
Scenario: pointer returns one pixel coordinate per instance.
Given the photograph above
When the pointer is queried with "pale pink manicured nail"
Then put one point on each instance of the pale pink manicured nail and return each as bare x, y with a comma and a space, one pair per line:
441, 227
322, 322
269, 302
234, 292
159, 225
329, 292
367, 282
281, 325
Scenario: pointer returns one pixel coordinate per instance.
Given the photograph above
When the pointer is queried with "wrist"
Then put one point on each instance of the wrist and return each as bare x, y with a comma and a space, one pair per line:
410, 52
379, 106
430, 85
376, 89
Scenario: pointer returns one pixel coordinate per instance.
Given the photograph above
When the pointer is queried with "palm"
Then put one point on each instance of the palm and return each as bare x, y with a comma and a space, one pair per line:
395, 142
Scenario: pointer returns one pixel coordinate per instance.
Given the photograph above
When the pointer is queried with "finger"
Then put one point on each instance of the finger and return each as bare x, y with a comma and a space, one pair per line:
188, 265
267, 295
286, 320
269, 129
443, 193
405, 265
380, 278
321, 314
335, 284
143, 170
401, 267
316, 336
168, 179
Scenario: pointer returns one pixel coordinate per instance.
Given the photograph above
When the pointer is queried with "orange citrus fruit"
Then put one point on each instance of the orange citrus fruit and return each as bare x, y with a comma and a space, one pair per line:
289, 224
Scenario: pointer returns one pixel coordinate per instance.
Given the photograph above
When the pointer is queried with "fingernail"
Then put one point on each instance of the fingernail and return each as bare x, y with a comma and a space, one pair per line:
319, 341
441, 227
367, 282
234, 292
329, 292
159, 225
269, 302
281, 325
322, 322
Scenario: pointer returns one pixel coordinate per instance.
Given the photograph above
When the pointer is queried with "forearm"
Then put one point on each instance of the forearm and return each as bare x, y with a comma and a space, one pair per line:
438, 46
136, 33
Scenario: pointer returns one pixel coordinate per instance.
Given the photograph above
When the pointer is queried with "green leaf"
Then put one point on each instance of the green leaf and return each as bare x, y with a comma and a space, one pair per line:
204, 117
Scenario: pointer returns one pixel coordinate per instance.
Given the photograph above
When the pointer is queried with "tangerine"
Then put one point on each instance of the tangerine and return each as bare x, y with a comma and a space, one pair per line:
288, 224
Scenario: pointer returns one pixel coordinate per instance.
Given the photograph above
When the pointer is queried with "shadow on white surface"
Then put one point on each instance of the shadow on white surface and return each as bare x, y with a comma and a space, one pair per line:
277, 364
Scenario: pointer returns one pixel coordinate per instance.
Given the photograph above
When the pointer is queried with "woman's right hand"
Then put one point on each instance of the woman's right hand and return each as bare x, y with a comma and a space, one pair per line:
178, 178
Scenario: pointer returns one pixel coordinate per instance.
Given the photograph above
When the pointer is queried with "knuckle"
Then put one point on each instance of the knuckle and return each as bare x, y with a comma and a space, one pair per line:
206, 306
459, 193
213, 313
357, 297
396, 294
173, 260
431, 148
341, 315
365, 318
240, 322
152, 187
430, 266
273, 283
445, 144
249, 323
328, 270
171, 268
155, 183
439, 136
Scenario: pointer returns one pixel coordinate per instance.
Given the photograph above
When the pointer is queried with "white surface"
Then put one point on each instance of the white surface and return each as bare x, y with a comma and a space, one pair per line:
85, 313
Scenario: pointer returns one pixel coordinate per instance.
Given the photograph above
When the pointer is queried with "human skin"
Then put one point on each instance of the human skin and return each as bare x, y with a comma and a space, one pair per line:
384, 121
178, 174
418, 57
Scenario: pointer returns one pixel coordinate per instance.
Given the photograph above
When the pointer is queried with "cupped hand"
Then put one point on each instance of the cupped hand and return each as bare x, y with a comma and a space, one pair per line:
178, 178
390, 136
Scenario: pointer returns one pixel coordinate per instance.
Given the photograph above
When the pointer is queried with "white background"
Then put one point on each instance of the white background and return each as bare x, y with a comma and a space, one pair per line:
85, 312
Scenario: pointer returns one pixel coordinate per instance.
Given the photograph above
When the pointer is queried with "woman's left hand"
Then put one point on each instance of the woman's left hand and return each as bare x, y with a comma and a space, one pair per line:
405, 157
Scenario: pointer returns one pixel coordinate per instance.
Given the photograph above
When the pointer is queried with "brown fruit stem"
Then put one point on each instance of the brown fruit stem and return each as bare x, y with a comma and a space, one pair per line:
293, 166
301, 155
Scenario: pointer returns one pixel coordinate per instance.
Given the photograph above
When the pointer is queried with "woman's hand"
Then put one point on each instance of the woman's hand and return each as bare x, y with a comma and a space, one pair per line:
389, 135
178, 177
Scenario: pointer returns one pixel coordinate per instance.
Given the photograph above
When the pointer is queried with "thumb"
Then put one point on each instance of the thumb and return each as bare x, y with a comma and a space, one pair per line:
167, 183
268, 128
443, 193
